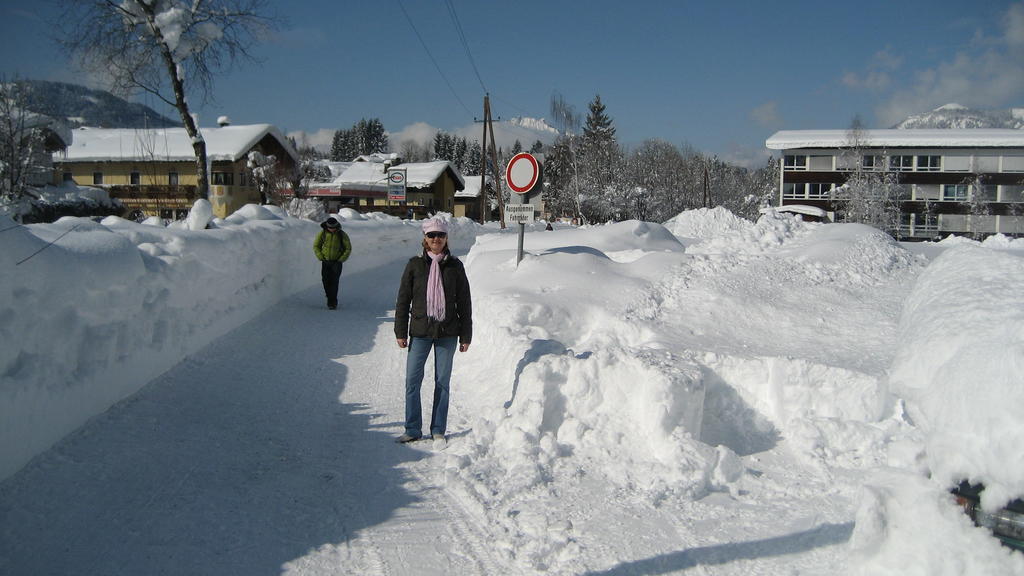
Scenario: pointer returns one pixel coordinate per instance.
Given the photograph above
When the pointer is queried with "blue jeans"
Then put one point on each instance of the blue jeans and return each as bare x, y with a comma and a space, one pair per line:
444, 353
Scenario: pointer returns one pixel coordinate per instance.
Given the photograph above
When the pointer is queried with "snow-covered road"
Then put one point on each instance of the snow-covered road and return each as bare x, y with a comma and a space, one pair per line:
271, 450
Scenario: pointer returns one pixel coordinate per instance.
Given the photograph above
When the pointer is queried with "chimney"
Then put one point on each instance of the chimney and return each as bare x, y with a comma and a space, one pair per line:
223, 121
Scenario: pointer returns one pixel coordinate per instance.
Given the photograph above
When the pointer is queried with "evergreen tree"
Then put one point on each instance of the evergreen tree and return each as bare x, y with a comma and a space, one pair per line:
538, 147
461, 148
336, 146
375, 137
600, 159
517, 147
474, 163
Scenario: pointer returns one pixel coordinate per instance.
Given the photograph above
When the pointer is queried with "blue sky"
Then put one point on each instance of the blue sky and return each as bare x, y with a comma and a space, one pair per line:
721, 76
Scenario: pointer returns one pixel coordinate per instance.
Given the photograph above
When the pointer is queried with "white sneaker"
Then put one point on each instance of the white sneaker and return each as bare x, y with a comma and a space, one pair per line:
440, 442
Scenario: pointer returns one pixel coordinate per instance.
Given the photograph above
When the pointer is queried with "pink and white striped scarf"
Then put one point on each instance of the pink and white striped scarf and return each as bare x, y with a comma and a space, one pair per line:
435, 290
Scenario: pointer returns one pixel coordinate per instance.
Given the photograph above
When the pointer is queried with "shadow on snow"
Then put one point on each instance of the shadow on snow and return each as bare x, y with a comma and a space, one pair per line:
239, 460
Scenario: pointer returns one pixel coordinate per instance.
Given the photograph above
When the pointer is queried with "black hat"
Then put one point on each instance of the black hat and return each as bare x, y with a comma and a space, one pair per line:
332, 223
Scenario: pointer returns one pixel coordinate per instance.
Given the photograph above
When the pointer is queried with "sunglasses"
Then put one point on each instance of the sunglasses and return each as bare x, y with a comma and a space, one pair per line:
437, 235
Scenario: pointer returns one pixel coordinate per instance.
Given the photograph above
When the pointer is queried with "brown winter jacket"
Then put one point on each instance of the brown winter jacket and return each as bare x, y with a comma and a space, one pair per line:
411, 307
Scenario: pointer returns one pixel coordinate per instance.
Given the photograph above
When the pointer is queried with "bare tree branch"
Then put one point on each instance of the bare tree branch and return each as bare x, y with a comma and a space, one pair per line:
167, 48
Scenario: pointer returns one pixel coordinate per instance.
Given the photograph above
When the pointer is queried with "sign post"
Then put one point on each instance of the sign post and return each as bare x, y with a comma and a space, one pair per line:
396, 184
522, 175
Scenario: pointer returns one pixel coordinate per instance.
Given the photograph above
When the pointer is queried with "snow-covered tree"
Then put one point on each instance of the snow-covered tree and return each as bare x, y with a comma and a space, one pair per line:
978, 204
343, 146
23, 157
267, 176
167, 48
600, 161
363, 138
871, 194
474, 161
562, 168
371, 137
413, 151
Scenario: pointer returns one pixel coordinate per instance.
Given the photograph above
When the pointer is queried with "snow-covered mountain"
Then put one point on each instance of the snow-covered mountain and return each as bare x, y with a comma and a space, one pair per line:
957, 116
81, 106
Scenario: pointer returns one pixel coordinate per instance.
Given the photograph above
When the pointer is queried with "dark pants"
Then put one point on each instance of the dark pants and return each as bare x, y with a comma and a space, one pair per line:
330, 272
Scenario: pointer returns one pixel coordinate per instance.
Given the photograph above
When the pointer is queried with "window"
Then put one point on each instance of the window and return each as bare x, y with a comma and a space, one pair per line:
224, 178
958, 164
919, 225
794, 190
794, 163
901, 163
954, 192
986, 164
820, 163
929, 163
1013, 163
871, 162
1012, 194
987, 193
172, 178
135, 179
97, 178
819, 190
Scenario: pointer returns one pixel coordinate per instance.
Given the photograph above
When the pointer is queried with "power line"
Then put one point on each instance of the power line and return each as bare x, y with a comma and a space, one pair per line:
29, 257
465, 45
427, 50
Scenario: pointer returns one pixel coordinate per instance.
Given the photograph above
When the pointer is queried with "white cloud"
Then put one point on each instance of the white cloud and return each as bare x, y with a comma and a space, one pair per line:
1015, 26
419, 132
321, 139
747, 156
767, 115
878, 75
985, 75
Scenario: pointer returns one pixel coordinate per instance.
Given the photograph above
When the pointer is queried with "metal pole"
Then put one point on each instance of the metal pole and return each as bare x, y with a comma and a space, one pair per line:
519, 253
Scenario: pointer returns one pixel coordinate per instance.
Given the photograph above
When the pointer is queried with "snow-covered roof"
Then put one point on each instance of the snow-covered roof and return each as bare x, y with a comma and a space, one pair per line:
168, 144
923, 138
472, 189
798, 209
36, 121
373, 175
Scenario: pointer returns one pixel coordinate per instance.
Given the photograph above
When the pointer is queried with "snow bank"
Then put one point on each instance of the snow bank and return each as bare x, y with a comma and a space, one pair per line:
728, 234
109, 306
961, 367
569, 388
909, 526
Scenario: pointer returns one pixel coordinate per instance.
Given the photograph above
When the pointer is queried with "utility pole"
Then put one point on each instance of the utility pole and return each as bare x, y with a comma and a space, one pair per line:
488, 123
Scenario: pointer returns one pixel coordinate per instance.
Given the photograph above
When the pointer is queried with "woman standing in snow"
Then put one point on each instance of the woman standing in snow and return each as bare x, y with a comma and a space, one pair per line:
332, 247
433, 311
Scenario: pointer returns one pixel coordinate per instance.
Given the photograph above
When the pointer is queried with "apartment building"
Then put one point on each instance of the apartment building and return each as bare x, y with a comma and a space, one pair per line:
949, 181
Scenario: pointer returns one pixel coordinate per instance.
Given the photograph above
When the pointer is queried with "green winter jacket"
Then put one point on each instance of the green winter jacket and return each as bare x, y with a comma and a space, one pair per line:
330, 246
411, 306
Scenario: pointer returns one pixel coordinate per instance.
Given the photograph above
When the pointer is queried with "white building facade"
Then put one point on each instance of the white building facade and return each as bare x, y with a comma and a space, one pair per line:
949, 181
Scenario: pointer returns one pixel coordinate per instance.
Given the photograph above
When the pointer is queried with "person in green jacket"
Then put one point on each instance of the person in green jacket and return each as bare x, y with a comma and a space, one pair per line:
332, 247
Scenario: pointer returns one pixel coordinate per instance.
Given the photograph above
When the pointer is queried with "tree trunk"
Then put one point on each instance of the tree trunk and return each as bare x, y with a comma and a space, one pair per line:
177, 84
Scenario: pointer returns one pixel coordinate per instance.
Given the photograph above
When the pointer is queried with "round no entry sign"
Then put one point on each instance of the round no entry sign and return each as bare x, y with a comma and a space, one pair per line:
522, 173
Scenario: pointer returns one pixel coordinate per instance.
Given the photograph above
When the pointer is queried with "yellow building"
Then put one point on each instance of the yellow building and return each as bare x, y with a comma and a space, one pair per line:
153, 171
